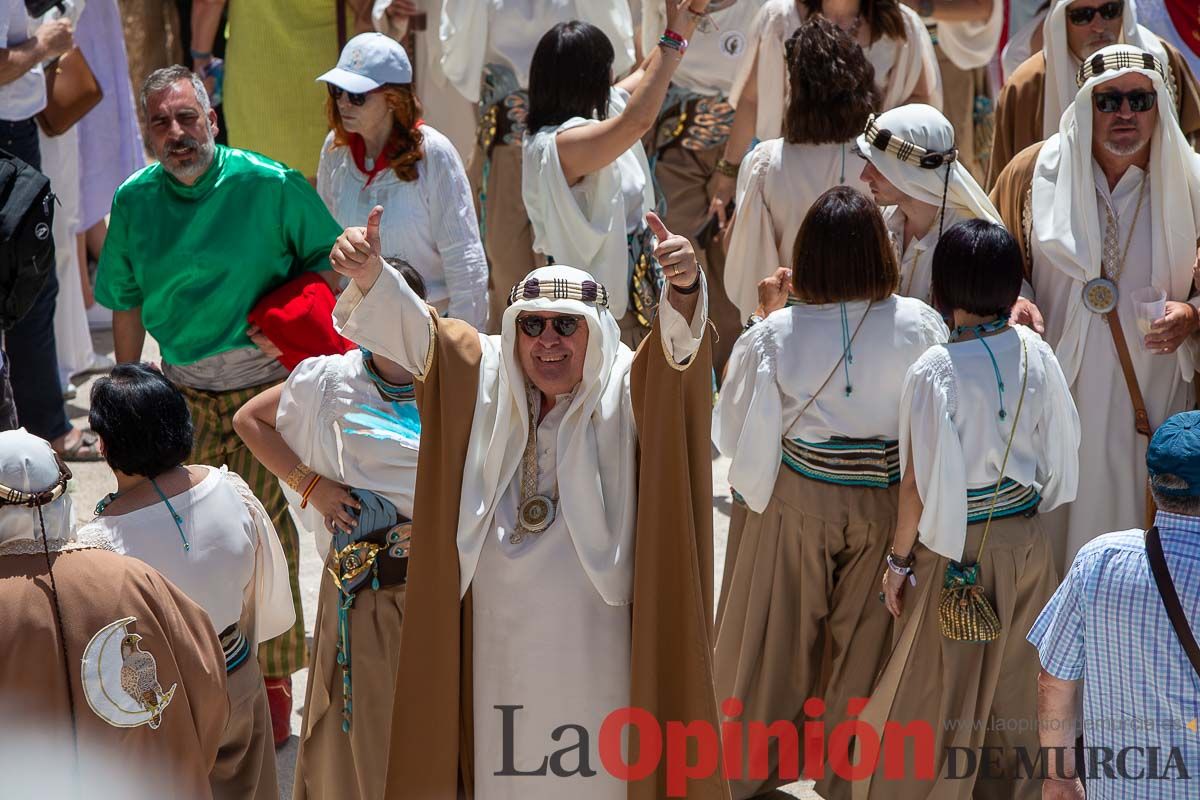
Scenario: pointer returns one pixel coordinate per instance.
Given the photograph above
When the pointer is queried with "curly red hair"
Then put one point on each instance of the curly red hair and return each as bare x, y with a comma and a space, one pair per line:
405, 140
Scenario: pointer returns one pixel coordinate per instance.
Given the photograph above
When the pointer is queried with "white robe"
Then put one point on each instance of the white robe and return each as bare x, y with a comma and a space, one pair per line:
777, 184
780, 364
952, 436
545, 634
1112, 485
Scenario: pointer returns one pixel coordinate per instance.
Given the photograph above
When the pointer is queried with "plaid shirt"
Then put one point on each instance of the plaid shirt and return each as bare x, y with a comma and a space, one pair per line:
1107, 625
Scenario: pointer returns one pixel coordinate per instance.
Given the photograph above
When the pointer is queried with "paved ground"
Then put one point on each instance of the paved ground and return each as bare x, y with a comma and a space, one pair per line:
93, 481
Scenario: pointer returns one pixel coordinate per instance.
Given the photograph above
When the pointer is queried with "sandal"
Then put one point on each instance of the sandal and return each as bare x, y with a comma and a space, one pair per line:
87, 448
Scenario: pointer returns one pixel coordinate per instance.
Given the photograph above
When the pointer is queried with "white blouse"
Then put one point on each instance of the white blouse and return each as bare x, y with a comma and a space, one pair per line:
777, 184
475, 33
952, 436
337, 423
713, 56
778, 366
586, 225
429, 222
234, 563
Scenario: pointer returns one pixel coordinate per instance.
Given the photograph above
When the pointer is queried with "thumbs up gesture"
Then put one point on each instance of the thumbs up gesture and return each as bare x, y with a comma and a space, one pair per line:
357, 253
674, 254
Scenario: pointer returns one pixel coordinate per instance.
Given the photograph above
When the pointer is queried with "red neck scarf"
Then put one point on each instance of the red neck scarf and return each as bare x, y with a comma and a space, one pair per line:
358, 149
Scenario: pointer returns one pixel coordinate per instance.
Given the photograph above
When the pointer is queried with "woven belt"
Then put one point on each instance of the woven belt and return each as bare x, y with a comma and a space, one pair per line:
236, 648
503, 108
871, 463
645, 276
1013, 500
694, 122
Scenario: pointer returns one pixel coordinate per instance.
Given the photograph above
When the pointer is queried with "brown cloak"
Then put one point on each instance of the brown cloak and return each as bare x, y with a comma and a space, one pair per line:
1011, 198
1019, 110
672, 672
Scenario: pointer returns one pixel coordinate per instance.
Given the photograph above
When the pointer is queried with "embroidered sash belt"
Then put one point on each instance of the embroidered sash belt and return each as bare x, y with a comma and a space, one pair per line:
236, 647
1013, 500
847, 462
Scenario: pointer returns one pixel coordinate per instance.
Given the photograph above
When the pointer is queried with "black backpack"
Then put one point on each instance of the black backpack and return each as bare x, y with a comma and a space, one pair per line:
26, 243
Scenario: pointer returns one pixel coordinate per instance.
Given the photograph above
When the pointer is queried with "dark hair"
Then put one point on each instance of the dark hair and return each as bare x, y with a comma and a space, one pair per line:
842, 251
977, 268
142, 419
831, 85
570, 75
883, 17
410, 275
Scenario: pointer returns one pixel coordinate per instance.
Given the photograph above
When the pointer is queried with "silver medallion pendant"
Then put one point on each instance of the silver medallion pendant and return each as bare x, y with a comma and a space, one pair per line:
536, 513
1100, 295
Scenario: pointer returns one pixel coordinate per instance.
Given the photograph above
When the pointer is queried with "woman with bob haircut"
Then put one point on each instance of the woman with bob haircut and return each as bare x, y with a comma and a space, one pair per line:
585, 179
892, 37
814, 387
380, 152
832, 94
207, 533
989, 437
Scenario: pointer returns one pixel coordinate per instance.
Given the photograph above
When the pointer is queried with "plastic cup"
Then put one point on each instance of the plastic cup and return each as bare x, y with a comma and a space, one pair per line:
1149, 305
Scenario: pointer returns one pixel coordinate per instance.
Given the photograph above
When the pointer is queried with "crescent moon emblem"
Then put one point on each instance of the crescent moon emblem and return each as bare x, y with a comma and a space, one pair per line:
105, 687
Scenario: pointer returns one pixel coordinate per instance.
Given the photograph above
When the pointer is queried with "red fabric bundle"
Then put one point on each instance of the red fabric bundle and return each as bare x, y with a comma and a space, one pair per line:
298, 318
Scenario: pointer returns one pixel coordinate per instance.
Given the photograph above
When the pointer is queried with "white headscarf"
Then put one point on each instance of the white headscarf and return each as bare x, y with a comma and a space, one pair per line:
27, 464
596, 447
1067, 225
926, 127
1062, 66
970, 45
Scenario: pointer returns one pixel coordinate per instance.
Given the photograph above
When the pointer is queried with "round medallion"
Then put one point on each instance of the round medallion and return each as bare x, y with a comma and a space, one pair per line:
1100, 295
537, 513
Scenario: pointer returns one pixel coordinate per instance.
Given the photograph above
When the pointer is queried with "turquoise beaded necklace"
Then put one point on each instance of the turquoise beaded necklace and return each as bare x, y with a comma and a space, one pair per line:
980, 332
107, 500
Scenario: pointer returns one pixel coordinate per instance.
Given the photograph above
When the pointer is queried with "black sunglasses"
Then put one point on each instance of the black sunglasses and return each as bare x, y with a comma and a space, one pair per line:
1110, 102
355, 99
533, 326
1084, 16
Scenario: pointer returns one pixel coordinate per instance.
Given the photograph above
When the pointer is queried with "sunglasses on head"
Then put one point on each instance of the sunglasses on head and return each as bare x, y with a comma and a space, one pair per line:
533, 326
1110, 102
355, 99
1084, 16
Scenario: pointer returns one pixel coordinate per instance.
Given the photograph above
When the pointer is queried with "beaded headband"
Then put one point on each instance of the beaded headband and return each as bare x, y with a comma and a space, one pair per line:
559, 289
909, 153
1122, 59
16, 497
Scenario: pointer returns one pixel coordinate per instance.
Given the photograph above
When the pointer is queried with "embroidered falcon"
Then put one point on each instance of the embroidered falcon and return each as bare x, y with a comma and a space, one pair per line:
139, 678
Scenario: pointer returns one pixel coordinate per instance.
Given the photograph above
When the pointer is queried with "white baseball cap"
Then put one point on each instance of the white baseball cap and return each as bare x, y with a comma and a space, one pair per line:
368, 61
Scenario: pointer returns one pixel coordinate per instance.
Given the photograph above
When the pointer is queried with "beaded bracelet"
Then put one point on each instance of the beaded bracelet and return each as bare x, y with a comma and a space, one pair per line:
894, 566
295, 478
670, 34
727, 168
673, 44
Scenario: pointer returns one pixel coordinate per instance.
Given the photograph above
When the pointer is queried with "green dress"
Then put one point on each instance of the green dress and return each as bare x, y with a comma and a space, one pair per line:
273, 102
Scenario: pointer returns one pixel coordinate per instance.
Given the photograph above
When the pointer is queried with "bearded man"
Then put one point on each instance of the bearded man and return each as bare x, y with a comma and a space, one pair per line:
1039, 91
1107, 206
561, 561
193, 242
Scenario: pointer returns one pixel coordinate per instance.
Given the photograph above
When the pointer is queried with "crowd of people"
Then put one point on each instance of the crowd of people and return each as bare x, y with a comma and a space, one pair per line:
473, 292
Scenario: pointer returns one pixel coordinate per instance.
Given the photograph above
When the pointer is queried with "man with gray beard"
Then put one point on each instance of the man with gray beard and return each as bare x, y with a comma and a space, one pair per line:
193, 242
1108, 215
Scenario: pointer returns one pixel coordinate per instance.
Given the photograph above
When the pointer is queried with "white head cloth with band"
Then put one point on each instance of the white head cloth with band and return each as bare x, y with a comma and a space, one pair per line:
1062, 66
897, 141
28, 467
597, 439
1067, 224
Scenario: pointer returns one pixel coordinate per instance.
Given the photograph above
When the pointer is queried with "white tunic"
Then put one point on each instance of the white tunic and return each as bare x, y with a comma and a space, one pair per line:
899, 66
475, 33
916, 256
337, 423
952, 436
779, 365
713, 56
235, 564
777, 184
429, 222
1112, 485
586, 225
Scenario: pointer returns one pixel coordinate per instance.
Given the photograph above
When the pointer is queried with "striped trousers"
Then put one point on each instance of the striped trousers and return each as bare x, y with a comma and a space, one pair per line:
216, 444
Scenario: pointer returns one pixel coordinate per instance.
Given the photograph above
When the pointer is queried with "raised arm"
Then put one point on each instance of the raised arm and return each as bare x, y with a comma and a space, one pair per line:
953, 10
588, 148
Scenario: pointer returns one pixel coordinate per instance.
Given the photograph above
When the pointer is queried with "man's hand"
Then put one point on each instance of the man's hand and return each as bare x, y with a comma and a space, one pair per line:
55, 37
720, 189
357, 253
1062, 789
1024, 312
773, 291
262, 342
674, 254
402, 8
1180, 322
